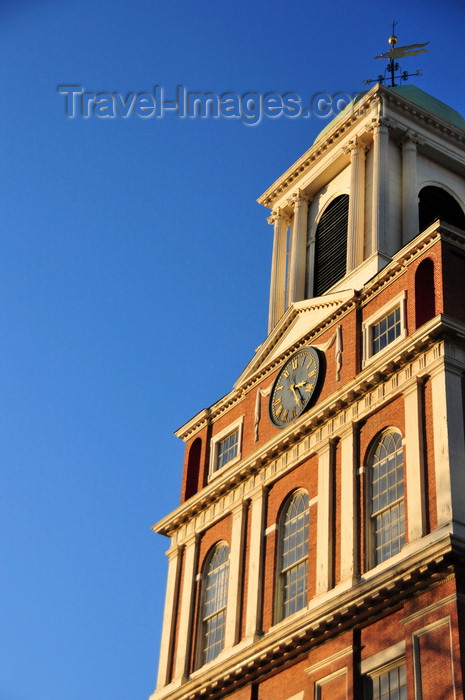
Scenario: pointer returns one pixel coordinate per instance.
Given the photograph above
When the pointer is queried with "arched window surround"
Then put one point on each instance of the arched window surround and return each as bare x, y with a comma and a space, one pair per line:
291, 592
212, 603
385, 496
448, 190
323, 203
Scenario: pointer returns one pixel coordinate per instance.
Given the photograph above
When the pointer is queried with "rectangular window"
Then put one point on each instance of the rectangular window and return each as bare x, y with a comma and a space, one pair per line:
385, 331
227, 449
389, 684
385, 327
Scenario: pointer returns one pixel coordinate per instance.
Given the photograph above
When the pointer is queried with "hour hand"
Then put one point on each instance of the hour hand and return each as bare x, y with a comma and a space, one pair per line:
298, 399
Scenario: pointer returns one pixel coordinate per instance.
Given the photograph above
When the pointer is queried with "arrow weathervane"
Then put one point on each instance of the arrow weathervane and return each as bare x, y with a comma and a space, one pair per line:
395, 53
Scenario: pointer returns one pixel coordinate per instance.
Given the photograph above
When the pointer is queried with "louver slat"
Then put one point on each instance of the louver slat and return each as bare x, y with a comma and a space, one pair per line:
331, 245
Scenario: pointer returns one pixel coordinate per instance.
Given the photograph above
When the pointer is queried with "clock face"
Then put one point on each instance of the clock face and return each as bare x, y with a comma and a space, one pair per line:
294, 387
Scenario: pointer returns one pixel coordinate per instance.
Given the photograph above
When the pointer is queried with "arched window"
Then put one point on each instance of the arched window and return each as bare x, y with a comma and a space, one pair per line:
292, 594
331, 245
386, 471
436, 203
425, 302
213, 604
193, 469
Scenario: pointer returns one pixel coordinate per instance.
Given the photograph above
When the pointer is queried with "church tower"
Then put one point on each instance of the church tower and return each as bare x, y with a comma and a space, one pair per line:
318, 549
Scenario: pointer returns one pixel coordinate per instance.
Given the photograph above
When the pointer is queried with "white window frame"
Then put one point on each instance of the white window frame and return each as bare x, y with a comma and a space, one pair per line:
201, 649
215, 443
279, 594
370, 546
400, 301
381, 671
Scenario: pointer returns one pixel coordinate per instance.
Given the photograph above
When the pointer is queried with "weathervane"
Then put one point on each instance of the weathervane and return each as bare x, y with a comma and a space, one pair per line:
394, 53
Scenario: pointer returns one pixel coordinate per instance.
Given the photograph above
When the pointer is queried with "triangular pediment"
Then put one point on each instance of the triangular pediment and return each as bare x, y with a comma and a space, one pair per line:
300, 318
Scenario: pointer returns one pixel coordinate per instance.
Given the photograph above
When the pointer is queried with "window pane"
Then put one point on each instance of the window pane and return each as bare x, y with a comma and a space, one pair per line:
385, 331
215, 591
387, 488
390, 685
227, 449
294, 565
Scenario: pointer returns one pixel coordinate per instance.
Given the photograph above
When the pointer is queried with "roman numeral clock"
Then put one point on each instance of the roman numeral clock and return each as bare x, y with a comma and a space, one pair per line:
295, 388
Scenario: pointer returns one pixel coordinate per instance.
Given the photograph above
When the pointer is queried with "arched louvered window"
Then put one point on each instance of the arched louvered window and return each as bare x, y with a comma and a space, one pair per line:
386, 472
331, 245
435, 203
292, 593
213, 605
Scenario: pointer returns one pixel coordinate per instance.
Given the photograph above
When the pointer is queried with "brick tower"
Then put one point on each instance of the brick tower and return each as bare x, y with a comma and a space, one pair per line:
318, 550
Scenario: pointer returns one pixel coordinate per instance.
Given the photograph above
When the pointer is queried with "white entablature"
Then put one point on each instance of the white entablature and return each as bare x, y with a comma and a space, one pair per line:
351, 201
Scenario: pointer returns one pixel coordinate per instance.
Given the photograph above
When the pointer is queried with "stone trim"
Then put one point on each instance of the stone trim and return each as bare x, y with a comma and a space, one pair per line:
293, 638
258, 369
380, 382
329, 660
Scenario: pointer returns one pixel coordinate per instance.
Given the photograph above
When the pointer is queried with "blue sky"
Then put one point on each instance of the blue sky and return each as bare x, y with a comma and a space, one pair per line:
134, 270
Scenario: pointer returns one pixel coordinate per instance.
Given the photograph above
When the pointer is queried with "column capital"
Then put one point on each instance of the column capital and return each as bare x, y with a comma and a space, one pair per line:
411, 138
277, 216
355, 147
299, 198
381, 122
174, 551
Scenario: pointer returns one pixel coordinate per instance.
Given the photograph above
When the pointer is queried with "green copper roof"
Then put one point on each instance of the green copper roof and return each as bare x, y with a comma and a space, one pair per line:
415, 95
348, 108
440, 109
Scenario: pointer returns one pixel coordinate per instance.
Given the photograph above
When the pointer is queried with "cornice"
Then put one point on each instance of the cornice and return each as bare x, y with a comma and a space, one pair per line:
341, 302
427, 566
377, 95
416, 247
319, 149
336, 304
381, 381
423, 116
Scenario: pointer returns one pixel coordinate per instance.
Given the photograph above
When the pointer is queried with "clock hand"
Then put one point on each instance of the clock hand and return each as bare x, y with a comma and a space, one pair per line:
300, 384
298, 399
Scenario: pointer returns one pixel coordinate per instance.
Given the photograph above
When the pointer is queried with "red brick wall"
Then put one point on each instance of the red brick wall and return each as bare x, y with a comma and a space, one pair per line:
304, 476
286, 684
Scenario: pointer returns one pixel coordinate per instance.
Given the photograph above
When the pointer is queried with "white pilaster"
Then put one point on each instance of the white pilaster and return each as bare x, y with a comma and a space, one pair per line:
349, 466
184, 634
278, 268
356, 223
324, 518
235, 577
169, 616
410, 223
380, 185
255, 563
449, 444
298, 248
414, 467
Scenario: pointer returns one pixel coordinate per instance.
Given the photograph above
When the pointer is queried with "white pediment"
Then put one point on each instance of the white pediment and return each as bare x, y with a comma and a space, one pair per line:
300, 318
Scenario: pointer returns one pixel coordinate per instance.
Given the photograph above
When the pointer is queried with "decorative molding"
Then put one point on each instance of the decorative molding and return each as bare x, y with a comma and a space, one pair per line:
320, 148
295, 637
430, 609
380, 382
260, 394
329, 660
